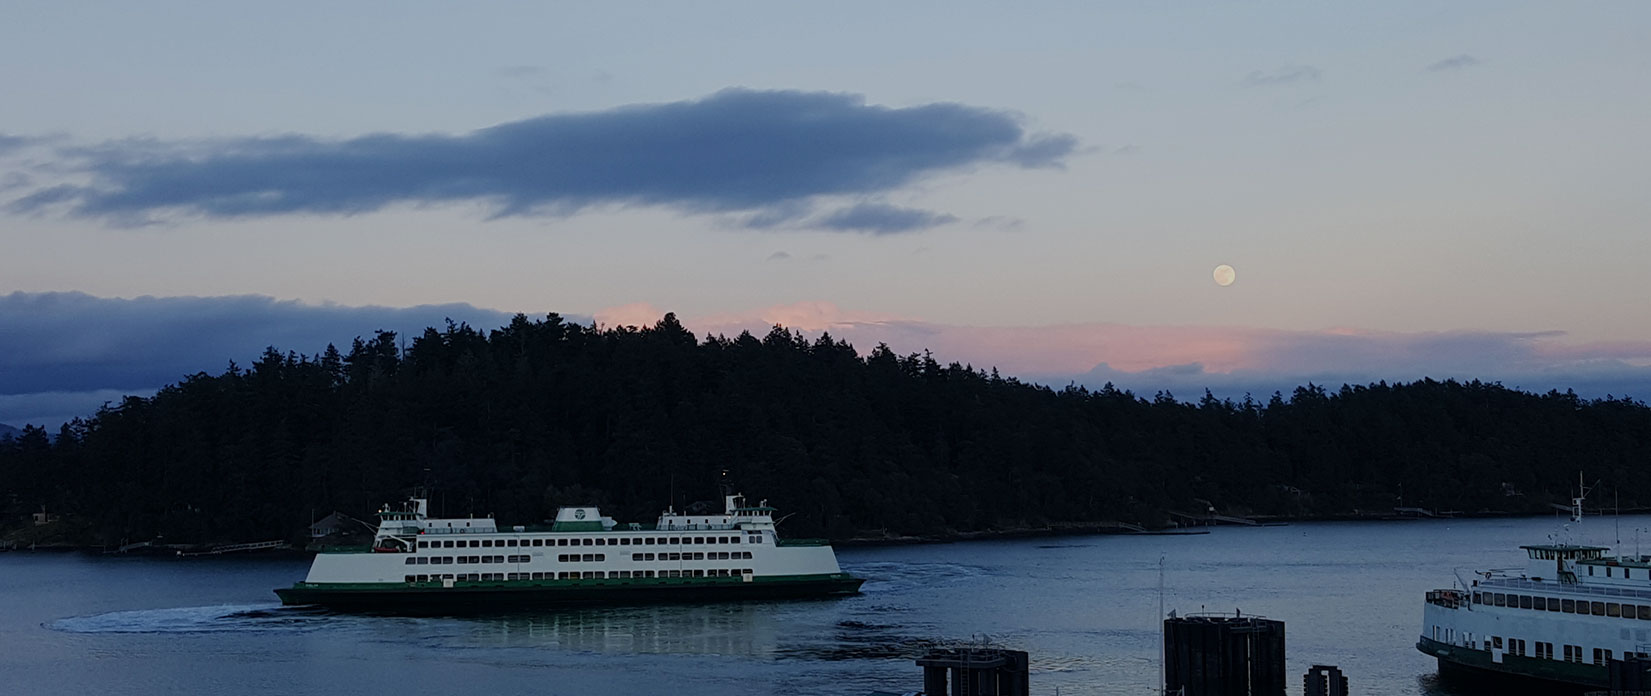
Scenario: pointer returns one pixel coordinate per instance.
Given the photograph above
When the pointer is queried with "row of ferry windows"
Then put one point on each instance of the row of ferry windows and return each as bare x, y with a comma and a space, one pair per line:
440, 560
1568, 606
1545, 651
582, 541
584, 575
696, 556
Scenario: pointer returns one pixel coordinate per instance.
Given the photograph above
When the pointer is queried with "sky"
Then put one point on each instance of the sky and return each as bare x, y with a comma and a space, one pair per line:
1405, 189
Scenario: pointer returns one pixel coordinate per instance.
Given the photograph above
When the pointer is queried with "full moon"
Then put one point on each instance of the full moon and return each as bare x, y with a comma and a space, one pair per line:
1225, 275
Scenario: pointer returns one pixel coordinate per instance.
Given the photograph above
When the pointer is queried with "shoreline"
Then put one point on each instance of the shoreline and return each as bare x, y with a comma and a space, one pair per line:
1109, 528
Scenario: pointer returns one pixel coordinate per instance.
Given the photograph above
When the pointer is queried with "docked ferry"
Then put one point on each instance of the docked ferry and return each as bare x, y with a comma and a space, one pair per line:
420, 563
1559, 623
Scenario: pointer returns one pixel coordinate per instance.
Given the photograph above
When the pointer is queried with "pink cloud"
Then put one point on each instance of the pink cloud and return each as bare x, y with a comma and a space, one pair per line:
1189, 355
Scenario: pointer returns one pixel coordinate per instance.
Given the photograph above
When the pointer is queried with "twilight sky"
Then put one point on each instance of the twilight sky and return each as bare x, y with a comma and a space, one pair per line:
1406, 189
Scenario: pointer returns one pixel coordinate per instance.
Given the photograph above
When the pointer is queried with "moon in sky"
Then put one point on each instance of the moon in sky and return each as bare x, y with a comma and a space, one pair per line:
1225, 275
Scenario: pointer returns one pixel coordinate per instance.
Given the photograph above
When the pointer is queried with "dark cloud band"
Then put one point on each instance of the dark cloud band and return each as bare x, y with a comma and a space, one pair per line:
734, 151
74, 342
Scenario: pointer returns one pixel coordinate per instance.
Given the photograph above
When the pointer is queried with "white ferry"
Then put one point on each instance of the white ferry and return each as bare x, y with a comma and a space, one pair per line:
421, 563
1560, 622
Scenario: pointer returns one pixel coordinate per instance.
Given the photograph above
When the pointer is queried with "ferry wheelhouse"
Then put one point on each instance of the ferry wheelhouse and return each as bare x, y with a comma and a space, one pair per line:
417, 562
1573, 610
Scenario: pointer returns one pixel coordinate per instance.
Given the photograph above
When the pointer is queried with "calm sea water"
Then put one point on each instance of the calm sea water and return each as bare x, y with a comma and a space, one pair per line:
1084, 607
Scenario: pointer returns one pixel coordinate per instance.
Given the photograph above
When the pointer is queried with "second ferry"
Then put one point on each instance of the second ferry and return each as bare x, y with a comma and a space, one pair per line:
1558, 624
418, 563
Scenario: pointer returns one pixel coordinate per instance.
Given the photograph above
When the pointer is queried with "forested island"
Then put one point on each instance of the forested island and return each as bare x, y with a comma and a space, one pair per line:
516, 421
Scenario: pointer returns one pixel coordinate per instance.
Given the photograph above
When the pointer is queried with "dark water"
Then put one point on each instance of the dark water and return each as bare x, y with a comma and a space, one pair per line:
1084, 607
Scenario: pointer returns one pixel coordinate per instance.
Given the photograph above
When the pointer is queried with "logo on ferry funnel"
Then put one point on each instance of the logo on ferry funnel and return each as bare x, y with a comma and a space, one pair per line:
579, 514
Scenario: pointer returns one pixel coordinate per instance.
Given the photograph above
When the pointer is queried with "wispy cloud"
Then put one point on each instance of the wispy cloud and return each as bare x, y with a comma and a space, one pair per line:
736, 151
520, 71
1453, 63
1289, 74
878, 218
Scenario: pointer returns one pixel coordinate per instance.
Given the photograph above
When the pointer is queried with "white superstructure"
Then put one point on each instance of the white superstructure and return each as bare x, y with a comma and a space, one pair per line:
582, 544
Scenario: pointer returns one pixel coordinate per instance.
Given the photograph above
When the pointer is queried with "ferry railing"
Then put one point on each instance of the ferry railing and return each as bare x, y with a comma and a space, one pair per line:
1523, 583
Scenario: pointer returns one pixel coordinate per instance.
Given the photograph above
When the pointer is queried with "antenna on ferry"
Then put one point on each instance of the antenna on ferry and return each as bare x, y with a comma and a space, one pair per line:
1163, 680
1576, 502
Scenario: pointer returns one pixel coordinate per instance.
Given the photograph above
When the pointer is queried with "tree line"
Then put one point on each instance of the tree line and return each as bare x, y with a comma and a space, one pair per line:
539, 413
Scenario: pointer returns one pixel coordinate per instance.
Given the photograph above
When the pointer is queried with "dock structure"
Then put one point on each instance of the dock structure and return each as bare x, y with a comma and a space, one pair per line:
975, 671
1324, 680
1214, 518
1223, 655
237, 548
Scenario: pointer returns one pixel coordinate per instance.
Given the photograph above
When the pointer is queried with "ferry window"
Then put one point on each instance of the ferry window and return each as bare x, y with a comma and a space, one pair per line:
408, 578
636, 556
601, 542
561, 558
601, 557
1478, 599
1496, 642
589, 541
1553, 604
648, 541
464, 559
1539, 603
475, 544
733, 540
424, 544
624, 541
1499, 599
1644, 612
1591, 572
699, 540
409, 560
756, 540
674, 540
748, 555
1598, 608
510, 542
1607, 571
1524, 601
1569, 605
487, 543
447, 544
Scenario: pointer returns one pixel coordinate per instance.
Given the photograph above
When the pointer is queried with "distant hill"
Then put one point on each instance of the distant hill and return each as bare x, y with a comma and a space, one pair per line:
8, 431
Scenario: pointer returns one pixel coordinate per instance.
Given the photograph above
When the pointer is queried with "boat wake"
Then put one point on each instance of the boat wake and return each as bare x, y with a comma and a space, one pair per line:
226, 618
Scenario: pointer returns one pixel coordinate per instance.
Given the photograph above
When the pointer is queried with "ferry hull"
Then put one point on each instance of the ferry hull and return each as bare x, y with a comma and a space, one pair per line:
1514, 674
514, 595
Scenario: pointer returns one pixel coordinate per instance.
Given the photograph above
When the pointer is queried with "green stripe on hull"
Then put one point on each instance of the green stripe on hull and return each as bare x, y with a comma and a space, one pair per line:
520, 594
1539, 671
